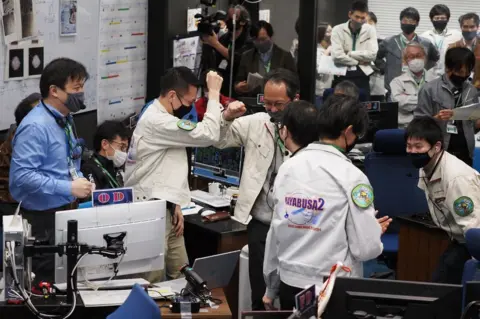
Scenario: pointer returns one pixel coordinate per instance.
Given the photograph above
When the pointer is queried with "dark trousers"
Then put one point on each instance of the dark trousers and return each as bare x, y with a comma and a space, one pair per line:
359, 78
257, 236
287, 295
43, 228
450, 265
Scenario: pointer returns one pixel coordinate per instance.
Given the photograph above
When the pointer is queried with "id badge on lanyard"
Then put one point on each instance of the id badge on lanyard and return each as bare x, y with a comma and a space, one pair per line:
72, 170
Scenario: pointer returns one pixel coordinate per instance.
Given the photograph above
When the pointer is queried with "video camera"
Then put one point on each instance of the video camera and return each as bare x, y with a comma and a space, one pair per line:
208, 24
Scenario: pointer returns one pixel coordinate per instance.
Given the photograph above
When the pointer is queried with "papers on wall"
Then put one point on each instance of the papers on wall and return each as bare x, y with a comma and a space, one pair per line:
325, 65
122, 59
187, 52
254, 80
469, 112
68, 17
24, 60
18, 19
191, 20
264, 15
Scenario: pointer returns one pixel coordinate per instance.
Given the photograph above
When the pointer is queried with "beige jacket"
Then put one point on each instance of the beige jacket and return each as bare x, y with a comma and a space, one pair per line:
453, 196
157, 163
256, 134
366, 47
405, 92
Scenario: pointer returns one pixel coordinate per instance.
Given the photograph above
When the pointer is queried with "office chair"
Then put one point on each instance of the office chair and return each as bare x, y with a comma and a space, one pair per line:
394, 180
471, 270
138, 305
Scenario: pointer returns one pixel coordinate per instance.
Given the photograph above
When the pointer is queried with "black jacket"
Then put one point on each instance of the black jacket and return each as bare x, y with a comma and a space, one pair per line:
102, 181
250, 64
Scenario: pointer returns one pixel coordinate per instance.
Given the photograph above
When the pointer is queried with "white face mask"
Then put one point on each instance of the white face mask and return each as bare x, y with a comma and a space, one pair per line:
119, 158
416, 65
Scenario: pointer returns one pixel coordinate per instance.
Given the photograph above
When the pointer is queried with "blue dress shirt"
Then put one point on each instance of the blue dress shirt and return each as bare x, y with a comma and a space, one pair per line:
39, 170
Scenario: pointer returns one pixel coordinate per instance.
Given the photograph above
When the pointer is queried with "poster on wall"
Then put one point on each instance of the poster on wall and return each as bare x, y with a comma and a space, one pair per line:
11, 19
68, 17
15, 68
35, 61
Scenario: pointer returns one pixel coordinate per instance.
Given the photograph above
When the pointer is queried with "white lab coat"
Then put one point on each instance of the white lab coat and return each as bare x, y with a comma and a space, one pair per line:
451, 181
365, 51
441, 42
302, 246
157, 163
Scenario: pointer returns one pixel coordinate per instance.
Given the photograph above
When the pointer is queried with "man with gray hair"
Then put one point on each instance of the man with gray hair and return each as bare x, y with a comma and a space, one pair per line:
406, 86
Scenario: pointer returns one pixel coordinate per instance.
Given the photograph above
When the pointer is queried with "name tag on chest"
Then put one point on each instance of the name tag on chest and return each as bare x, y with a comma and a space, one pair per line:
452, 129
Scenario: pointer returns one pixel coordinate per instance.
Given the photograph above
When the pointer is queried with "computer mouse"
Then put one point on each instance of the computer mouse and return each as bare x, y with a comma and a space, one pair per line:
207, 213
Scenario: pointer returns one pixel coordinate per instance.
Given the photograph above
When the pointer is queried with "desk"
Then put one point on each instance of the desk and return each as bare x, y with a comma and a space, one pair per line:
206, 239
421, 243
222, 312
82, 312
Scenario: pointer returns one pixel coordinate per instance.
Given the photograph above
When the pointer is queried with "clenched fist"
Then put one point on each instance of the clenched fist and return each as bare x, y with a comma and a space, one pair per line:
214, 85
234, 110
81, 188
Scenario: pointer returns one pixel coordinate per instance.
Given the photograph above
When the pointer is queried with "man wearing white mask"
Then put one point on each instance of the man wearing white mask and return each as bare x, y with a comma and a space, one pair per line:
441, 36
405, 87
111, 144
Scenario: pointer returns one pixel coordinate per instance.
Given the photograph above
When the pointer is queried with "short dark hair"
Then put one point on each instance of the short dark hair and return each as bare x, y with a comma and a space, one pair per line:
456, 58
424, 128
348, 88
438, 10
25, 106
359, 5
469, 16
287, 77
262, 24
321, 31
410, 13
58, 72
373, 16
338, 113
178, 79
300, 118
109, 130
297, 26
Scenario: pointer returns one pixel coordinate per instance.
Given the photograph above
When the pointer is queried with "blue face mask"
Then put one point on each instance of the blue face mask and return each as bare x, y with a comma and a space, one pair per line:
469, 35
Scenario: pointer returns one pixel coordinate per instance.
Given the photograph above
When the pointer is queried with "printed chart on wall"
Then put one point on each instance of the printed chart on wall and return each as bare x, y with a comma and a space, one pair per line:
187, 52
122, 58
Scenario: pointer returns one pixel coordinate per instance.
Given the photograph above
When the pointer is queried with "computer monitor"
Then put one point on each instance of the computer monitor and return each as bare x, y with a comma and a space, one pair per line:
142, 223
385, 118
381, 298
224, 166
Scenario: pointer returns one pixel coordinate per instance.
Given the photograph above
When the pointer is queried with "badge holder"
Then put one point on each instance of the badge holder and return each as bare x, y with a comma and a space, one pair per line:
451, 128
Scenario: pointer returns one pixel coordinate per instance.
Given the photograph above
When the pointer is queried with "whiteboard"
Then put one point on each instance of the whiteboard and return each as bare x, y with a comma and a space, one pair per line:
83, 47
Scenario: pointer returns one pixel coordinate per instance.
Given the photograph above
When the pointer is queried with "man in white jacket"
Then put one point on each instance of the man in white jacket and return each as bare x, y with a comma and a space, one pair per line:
264, 153
157, 163
355, 46
323, 206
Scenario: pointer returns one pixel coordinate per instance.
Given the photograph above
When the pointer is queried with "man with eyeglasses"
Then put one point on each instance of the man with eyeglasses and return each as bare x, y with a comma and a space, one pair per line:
264, 153
157, 162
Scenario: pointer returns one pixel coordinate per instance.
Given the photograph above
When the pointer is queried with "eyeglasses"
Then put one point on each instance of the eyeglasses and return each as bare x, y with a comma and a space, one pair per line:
276, 104
123, 147
181, 98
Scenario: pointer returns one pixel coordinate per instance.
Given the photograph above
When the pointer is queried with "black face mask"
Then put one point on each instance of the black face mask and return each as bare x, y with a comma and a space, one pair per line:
420, 160
276, 117
229, 24
408, 28
440, 25
349, 148
182, 111
458, 80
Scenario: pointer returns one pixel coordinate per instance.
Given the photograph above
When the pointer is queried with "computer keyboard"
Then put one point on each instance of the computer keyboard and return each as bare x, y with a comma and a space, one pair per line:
209, 199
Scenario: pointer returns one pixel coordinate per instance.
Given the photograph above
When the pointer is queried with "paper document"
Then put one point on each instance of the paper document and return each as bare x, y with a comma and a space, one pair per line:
254, 80
469, 112
325, 65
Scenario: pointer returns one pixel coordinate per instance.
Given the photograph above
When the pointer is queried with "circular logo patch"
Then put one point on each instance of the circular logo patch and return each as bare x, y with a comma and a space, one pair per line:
463, 206
362, 195
186, 125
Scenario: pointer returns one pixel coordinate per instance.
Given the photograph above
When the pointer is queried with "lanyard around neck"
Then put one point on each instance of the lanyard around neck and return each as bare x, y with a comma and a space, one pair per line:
112, 181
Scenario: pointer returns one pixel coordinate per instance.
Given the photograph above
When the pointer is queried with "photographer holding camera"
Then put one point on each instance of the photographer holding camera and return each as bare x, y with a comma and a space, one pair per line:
223, 46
